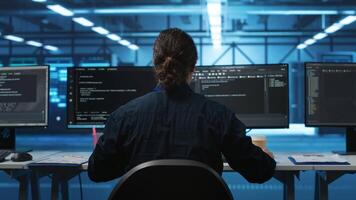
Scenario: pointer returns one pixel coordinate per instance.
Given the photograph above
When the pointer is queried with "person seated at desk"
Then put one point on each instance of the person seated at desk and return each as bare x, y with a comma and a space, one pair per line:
173, 122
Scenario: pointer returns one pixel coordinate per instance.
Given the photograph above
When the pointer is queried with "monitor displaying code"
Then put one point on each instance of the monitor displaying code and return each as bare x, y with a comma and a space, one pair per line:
23, 96
258, 94
94, 93
330, 94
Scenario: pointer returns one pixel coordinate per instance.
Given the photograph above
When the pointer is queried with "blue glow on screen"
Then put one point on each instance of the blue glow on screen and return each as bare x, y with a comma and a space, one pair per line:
63, 79
54, 100
63, 72
58, 76
101, 64
62, 105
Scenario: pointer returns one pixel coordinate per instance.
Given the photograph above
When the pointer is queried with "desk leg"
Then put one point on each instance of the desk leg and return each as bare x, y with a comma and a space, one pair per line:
55, 188
316, 187
23, 188
60, 179
287, 178
322, 181
64, 190
22, 176
321, 186
288, 188
35, 187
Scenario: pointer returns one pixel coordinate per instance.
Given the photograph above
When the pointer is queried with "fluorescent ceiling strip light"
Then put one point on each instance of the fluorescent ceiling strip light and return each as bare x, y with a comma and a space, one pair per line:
113, 37
133, 47
320, 36
216, 36
216, 44
84, 22
215, 29
309, 41
214, 8
301, 46
308, 12
41, 1
34, 43
14, 38
124, 42
333, 28
51, 48
294, 12
215, 20
61, 10
348, 20
100, 30
216, 41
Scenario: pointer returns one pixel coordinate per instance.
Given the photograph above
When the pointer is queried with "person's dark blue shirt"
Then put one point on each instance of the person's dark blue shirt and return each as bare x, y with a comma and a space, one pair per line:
179, 124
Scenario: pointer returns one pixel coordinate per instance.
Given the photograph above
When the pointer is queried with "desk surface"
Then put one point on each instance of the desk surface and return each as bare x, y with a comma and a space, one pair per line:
36, 156
350, 158
283, 163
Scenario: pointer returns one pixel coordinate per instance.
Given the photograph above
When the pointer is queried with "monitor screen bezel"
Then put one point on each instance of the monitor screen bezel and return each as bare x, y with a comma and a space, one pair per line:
45, 123
260, 66
306, 122
98, 126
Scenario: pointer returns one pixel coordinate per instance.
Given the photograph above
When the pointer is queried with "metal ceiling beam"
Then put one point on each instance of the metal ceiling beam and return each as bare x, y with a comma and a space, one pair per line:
231, 9
195, 9
199, 34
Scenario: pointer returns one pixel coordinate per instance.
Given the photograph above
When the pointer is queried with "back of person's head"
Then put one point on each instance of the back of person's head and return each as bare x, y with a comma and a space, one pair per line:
174, 57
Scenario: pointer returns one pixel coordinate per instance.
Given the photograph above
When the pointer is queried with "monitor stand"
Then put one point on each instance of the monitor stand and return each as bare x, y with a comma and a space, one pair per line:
7, 138
350, 140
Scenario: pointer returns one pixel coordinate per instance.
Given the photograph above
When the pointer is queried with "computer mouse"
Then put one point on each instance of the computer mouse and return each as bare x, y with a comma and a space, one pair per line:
21, 157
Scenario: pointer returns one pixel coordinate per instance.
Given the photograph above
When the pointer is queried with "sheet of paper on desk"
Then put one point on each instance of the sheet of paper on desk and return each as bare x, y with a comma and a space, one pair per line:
65, 159
318, 159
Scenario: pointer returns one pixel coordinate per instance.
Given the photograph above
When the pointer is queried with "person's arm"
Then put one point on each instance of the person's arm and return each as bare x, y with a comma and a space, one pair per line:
243, 156
107, 160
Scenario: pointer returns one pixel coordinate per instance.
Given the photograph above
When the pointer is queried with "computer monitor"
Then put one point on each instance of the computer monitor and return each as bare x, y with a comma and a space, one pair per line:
95, 92
23, 100
330, 97
258, 94
23, 96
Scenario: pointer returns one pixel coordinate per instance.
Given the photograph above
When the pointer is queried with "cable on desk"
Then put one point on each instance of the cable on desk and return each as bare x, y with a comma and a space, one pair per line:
80, 187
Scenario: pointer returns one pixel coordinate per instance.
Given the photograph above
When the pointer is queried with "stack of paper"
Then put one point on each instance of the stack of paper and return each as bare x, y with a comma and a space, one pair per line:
331, 159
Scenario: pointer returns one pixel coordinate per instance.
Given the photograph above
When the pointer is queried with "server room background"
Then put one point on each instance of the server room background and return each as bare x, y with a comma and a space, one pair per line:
252, 32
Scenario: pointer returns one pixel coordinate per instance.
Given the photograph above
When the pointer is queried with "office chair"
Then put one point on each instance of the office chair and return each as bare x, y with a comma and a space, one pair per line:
171, 179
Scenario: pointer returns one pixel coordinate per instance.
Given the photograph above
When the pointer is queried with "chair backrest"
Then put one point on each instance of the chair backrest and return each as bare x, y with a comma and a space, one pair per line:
171, 179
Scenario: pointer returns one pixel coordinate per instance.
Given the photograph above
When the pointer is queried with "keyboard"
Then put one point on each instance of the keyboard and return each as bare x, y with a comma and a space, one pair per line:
4, 154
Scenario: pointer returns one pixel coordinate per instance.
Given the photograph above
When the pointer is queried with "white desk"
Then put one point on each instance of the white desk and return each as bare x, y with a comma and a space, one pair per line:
36, 156
326, 174
61, 174
285, 173
283, 164
20, 171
